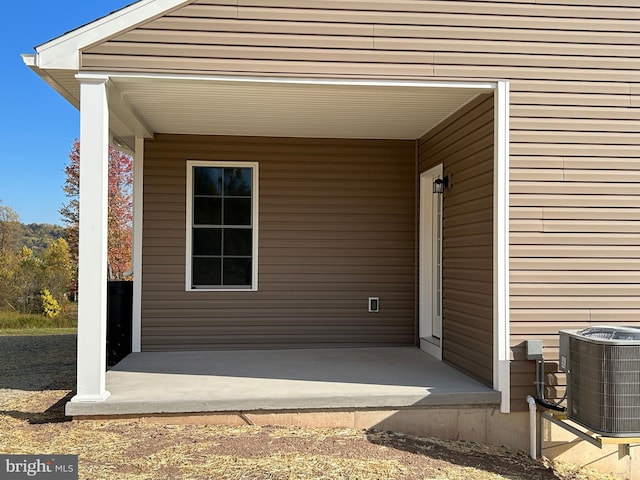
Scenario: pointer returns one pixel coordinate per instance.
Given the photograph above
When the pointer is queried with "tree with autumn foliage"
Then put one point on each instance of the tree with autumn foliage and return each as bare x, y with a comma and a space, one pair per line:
120, 217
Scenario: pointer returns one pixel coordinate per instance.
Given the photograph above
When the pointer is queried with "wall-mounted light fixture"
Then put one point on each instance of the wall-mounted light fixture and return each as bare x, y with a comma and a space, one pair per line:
439, 184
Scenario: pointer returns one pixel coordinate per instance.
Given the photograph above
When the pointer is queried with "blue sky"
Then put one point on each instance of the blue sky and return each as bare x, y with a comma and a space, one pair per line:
37, 126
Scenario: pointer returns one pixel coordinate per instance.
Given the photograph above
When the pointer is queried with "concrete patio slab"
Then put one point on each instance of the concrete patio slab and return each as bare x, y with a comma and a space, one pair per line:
281, 380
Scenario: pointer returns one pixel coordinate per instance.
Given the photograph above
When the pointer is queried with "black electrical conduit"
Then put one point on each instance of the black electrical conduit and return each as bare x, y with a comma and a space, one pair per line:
539, 398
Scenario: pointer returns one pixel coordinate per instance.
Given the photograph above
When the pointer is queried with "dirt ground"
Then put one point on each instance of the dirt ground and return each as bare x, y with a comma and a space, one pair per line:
37, 375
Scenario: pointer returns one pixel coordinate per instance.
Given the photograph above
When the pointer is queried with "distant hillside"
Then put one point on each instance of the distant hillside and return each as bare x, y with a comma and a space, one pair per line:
38, 236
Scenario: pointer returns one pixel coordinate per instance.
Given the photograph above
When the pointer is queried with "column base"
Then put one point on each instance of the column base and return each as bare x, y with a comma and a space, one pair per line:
91, 398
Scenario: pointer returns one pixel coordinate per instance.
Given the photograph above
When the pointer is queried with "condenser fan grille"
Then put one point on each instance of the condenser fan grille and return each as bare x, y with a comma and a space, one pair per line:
604, 383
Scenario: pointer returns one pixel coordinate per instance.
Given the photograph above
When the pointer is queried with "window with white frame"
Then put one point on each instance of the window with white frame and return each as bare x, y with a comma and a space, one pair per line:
222, 230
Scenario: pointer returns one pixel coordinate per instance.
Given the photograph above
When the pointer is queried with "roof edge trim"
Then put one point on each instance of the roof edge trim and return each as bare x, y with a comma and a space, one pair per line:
62, 53
29, 59
479, 85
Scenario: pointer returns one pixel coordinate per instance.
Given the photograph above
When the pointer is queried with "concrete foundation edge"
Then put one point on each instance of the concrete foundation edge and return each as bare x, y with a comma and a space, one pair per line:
473, 424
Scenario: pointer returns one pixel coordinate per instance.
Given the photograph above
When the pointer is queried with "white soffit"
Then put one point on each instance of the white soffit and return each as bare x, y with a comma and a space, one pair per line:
314, 110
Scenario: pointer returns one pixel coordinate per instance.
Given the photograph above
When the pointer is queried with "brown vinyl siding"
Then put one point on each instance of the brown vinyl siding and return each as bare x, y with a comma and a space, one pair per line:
575, 89
336, 227
464, 145
574, 219
480, 39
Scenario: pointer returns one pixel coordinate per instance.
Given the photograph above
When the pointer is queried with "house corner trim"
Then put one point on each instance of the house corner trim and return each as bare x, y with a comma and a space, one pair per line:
501, 342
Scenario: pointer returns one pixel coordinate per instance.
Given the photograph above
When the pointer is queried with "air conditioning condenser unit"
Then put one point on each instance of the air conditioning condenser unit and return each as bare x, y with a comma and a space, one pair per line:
603, 378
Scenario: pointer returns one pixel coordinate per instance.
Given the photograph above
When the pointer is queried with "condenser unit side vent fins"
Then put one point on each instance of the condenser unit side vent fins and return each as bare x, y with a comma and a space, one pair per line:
603, 379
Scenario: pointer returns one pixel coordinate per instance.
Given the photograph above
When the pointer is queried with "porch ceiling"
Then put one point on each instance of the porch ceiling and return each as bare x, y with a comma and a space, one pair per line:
312, 108
290, 109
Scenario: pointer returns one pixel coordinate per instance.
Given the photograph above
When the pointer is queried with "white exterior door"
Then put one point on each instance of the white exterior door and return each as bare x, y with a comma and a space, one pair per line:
430, 325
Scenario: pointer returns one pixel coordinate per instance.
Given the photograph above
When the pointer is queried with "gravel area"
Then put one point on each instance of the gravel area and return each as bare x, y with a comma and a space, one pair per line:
37, 375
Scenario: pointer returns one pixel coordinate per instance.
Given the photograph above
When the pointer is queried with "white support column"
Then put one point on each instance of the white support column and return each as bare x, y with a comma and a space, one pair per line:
92, 257
501, 337
138, 170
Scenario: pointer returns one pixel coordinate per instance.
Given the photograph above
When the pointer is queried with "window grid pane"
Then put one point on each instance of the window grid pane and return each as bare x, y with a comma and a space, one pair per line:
222, 202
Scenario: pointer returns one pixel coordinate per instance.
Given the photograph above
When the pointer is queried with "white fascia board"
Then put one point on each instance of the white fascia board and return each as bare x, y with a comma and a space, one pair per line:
63, 53
477, 85
52, 82
29, 59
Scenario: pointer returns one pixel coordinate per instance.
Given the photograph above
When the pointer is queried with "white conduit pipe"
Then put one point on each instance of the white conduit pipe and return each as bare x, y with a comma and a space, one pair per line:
533, 409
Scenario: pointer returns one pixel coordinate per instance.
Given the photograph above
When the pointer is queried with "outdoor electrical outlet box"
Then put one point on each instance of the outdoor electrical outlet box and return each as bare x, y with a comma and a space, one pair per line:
534, 350
374, 304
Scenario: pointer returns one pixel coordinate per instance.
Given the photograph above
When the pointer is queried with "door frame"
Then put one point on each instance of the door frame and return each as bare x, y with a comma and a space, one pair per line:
430, 264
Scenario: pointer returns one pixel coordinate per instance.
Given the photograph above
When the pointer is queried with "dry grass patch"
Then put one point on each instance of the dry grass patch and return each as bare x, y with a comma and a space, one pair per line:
137, 450
36, 377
